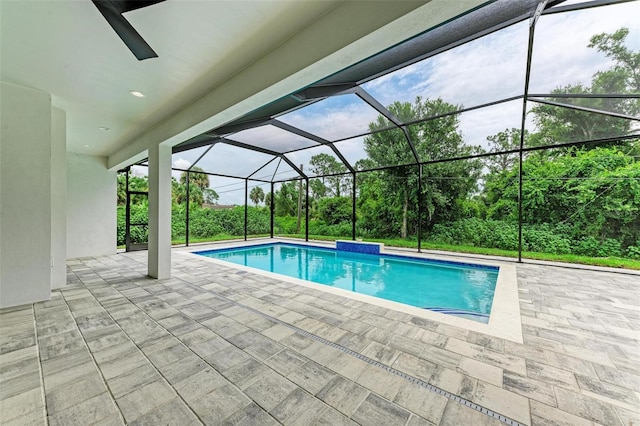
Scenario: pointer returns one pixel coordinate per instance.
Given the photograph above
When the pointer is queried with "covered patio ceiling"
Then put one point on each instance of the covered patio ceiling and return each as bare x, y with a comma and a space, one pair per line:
336, 114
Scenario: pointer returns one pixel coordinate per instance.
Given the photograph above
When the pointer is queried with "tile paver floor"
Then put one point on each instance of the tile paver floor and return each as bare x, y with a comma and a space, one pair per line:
213, 345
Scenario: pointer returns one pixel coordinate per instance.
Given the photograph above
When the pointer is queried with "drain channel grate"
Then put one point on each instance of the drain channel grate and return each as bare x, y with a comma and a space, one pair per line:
391, 370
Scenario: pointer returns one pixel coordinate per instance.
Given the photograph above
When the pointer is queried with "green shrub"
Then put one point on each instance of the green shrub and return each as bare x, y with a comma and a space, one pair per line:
286, 225
591, 246
334, 210
633, 252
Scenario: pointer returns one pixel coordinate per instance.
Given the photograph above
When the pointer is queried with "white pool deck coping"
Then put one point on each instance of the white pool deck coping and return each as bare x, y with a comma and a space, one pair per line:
504, 320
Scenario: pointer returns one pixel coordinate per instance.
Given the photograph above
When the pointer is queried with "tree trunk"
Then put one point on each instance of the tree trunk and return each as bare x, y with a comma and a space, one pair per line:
299, 204
405, 209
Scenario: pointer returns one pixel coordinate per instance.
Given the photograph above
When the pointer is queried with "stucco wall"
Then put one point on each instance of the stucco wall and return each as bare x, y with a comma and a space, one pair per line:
91, 206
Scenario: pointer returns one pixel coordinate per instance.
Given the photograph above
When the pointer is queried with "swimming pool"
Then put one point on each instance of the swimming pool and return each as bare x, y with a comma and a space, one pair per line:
460, 289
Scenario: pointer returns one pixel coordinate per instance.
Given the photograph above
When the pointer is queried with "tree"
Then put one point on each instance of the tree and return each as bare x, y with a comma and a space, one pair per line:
122, 189
594, 193
196, 177
136, 183
335, 210
591, 193
324, 164
434, 139
558, 124
267, 199
210, 196
286, 199
199, 190
627, 65
256, 195
507, 140
317, 188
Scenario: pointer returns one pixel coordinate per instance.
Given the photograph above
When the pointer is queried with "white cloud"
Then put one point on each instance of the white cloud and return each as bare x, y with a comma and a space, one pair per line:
334, 118
181, 163
139, 171
561, 55
477, 125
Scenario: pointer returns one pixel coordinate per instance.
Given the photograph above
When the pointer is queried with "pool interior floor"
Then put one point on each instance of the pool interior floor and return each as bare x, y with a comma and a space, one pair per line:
215, 345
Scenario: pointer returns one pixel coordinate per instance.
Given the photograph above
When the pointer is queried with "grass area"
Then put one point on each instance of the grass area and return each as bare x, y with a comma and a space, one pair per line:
220, 237
610, 262
215, 238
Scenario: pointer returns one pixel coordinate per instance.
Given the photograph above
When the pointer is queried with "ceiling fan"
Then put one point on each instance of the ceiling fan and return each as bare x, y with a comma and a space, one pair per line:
112, 11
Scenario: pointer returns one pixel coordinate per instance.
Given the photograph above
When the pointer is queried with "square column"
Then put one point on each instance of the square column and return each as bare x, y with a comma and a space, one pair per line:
159, 263
58, 198
25, 196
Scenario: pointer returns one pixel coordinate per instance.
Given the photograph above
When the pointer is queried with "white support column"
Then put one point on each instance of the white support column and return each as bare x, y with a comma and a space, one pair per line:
159, 265
25, 195
58, 198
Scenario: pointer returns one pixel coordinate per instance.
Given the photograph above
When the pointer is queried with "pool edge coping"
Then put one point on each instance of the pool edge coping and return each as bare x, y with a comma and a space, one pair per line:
505, 321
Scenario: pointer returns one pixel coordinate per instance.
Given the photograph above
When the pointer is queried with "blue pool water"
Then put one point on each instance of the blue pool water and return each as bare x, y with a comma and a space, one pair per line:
456, 288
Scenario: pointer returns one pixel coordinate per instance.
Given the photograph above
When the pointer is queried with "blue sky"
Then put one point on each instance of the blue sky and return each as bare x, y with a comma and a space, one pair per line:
478, 72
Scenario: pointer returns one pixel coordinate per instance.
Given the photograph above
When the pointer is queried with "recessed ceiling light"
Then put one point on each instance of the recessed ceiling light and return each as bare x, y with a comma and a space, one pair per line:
105, 129
87, 146
136, 93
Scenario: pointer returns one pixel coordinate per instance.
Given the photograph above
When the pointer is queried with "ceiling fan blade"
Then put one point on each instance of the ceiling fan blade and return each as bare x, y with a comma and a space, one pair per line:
129, 5
122, 27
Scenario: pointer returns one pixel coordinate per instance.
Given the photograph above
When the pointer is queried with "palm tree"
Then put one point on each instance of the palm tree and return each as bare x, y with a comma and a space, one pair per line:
198, 187
256, 195
196, 177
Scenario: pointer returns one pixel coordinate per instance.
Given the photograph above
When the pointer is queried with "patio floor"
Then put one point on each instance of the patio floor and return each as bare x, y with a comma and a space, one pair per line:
216, 345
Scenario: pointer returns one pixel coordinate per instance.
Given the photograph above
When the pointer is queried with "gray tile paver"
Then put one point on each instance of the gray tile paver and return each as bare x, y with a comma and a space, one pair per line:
124, 365
348, 366
246, 373
213, 408
375, 410
586, 407
542, 414
89, 411
73, 373
66, 396
343, 395
132, 381
417, 367
531, 388
503, 402
270, 390
54, 365
285, 361
311, 376
381, 382
144, 399
199, 384
298, 408
21, 405
250, 415
457, 414
481, 371
428, 405
172, 413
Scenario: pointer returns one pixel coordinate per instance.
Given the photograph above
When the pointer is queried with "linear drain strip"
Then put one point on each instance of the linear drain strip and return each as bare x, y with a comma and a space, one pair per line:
405, 376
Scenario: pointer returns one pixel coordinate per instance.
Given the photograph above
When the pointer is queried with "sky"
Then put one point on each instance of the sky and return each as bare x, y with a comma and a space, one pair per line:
478, 72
